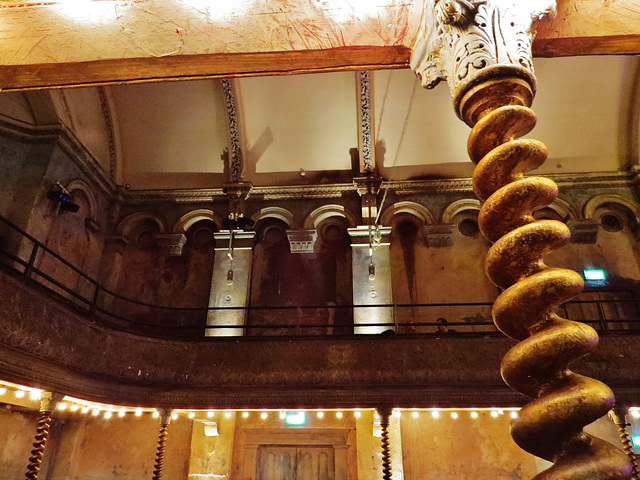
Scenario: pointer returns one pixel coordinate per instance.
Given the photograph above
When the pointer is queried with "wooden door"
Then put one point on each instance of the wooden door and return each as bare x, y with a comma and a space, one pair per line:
278, 462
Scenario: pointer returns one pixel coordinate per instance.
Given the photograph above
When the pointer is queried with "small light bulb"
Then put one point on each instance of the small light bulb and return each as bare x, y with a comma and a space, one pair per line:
174, 416
397, 414
227, 414
339, 414
156, 414
85, 410
435, 414
474, 414
210, 414
635, 413
264, 415
192, 414
20, 393
376, 416
74, 407
415, 414
500, 412
138, 412
245, 414
494, 414
107, 415
282, 414
514, 414
320, 414
454, 414
121, 413
35, 394
3, 391
62, 406
95, 412
356, 414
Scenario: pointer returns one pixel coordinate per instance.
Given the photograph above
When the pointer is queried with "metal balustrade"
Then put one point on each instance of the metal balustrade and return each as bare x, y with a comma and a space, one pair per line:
24, 254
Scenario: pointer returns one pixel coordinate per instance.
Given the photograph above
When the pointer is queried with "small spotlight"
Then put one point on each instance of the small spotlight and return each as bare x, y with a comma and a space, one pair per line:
192, 414
356, 414
454, 414
339, 414
84, 410
35, 394
174, 416
20, 393
156, 414
320, 414
95, 412
397, 413
376, 416
245, 414
264, 415
138, 412
227, 414
107, 415
435, 413
635, 413
474, 414
121, 413
62, 406
514, 414
74, 408
415, 414
3, 391
283, 415
210, 414
494, 414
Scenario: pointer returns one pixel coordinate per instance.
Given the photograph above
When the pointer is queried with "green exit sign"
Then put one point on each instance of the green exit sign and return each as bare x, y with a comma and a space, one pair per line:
636, 441
595, 275
295, 418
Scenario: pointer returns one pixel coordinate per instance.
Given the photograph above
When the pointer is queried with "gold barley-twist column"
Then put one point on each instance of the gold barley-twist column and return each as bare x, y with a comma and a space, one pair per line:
165, 418
48, 404
385, 416
619, 418
483, 50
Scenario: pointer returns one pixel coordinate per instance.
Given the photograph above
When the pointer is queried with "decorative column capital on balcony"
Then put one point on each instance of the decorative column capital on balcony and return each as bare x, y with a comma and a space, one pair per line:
583, 231
170, 244
302, 241
439, 235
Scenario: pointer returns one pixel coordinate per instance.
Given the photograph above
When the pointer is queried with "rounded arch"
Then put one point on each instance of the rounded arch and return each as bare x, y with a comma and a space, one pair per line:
458, 207
194, 216
327, 211
563, 209
129, 223
274, 212
599, 200
88, 193
412, 208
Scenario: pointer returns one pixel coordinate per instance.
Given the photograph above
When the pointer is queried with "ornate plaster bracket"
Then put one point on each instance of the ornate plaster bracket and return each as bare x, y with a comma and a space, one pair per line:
302, 241
236, 161
439, 235
583, 231
466, 42
171, 244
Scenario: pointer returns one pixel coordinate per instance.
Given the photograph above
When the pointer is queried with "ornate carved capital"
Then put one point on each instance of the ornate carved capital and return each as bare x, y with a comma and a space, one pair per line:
464, 41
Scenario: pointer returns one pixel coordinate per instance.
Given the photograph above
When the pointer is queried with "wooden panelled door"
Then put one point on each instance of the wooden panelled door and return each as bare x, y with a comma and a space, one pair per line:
282, 462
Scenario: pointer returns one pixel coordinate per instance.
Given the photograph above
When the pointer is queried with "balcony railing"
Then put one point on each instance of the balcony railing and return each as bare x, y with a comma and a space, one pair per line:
31, 258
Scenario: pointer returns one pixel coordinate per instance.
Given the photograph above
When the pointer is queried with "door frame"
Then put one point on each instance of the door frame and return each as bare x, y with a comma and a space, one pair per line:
341, 439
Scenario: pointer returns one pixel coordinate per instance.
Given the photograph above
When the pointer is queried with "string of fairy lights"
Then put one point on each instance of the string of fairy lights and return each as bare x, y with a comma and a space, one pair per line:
24, 394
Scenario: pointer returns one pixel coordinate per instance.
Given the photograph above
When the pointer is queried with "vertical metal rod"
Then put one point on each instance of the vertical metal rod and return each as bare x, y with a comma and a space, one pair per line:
618, 417
94, 301
47, 406
165, 418
385, 415
32, 259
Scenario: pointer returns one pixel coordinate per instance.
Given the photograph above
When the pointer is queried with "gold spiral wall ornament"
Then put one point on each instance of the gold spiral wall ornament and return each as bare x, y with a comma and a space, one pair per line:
165, 418
385, 416
48, 404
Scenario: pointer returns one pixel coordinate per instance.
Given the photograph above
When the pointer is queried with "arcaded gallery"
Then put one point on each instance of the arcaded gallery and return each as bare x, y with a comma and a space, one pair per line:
319, 239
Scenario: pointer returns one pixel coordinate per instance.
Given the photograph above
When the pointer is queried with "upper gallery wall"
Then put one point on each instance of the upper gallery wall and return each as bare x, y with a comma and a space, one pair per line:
306, 129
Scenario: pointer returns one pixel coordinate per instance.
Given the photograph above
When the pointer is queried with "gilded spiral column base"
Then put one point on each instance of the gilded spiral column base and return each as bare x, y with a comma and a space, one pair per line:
42, 434
165, 418
551, 425
618, 417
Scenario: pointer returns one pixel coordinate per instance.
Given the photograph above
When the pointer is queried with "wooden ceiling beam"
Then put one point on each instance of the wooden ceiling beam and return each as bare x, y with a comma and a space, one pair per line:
157, 41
